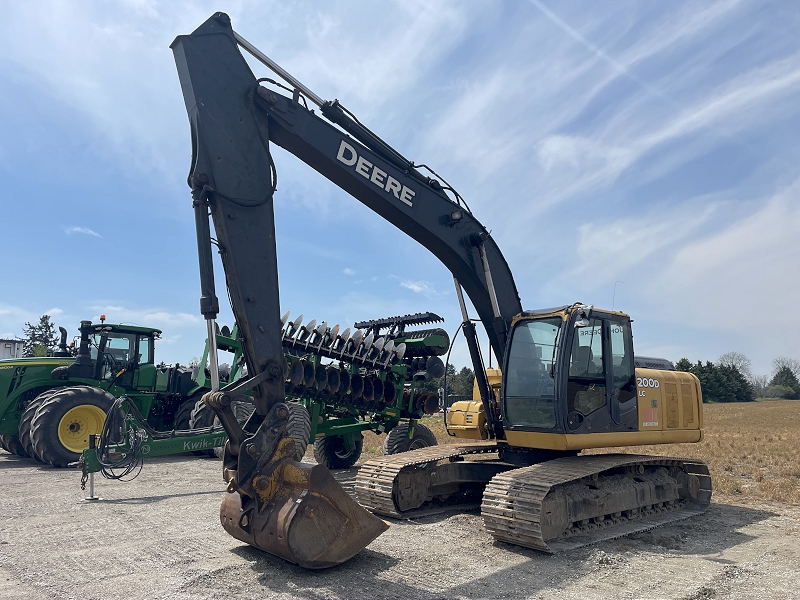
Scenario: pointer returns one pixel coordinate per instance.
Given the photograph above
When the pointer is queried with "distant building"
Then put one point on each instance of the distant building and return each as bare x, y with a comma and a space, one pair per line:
11, 348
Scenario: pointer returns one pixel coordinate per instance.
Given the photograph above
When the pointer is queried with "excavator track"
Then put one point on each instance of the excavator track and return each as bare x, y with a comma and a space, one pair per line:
380, 485
570, 502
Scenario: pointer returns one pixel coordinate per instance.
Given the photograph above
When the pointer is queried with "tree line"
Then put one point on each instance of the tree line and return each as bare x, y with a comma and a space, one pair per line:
731, 378
459, 383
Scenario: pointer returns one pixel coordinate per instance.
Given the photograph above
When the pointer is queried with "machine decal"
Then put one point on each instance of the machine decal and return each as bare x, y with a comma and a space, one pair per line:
647, 382
347, 155
650, 417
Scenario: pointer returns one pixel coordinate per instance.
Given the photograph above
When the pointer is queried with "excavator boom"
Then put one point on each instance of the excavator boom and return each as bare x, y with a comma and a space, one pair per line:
290, 509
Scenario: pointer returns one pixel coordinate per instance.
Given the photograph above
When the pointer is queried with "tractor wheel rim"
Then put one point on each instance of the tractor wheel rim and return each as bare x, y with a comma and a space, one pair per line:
78, 424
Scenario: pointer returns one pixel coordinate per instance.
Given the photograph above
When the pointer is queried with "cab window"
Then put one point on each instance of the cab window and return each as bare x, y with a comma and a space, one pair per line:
528, 377
120, 346
586, 386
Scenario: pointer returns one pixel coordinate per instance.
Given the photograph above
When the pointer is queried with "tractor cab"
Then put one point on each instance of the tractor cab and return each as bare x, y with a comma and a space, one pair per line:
122, 355
125, 353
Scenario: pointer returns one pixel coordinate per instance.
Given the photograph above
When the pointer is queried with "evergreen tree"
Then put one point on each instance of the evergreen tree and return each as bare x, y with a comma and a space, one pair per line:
464, 381
719, 383
785, 378
40, 339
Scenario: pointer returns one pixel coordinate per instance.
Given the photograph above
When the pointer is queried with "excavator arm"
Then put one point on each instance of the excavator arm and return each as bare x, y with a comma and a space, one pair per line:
234, 119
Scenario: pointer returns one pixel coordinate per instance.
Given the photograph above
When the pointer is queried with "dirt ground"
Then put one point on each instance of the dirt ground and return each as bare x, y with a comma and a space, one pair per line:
159, 537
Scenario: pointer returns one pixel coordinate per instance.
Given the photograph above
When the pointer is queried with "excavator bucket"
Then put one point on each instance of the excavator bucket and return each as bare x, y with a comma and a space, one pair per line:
288, 508
308, 520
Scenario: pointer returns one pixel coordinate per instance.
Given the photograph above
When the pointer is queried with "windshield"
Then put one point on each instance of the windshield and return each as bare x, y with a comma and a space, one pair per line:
529, 385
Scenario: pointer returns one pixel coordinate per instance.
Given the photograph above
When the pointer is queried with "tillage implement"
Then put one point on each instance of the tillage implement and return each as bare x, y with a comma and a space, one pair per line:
370, 383
568, 380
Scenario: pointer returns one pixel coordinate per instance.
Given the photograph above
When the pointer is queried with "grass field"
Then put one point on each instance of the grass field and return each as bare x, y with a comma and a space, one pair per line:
752, 449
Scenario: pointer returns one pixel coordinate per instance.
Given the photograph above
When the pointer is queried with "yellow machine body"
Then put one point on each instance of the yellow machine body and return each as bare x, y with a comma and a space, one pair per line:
669, 403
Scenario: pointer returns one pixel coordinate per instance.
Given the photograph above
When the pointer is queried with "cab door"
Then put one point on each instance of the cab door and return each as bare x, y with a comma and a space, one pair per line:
601, 390
145, 376
621, 373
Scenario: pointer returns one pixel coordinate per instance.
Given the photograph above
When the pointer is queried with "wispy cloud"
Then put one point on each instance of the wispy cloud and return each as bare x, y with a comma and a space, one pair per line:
84, 230
426, 288
609, 250
348, 271
146, 317
574, 164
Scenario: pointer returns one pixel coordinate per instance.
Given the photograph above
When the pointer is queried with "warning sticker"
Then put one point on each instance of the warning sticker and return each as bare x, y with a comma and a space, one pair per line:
650, 417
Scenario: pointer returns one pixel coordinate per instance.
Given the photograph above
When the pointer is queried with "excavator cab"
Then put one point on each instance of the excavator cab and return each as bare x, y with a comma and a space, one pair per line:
570, 370
571, 382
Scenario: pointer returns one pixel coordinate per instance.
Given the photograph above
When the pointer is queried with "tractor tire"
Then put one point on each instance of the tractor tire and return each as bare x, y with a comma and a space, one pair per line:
330, 452
61, 427
27, 417
202, 416
299, 423
11, 443
397, 439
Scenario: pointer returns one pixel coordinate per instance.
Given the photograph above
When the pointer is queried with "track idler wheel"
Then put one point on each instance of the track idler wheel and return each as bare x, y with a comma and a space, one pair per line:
290, 509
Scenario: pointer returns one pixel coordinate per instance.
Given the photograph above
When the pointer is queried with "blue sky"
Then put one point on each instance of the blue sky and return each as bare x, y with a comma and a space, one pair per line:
652, 144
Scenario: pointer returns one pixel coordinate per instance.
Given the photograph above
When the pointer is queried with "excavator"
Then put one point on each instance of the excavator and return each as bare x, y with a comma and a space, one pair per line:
567, 381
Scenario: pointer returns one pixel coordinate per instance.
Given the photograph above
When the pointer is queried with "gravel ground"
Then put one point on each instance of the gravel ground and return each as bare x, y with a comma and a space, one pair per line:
159, 537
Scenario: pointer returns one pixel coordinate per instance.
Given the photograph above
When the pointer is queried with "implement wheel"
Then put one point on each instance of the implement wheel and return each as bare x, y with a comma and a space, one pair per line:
183, 416
332, 452
61, 427
397, 439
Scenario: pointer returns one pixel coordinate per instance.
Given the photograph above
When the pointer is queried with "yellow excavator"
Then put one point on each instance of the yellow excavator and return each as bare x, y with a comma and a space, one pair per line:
568, 379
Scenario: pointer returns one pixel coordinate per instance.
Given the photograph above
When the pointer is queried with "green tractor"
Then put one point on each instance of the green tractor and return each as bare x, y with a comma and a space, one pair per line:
50, 406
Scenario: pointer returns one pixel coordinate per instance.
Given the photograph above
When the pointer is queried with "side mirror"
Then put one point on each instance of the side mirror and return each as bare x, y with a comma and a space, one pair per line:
584, 314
